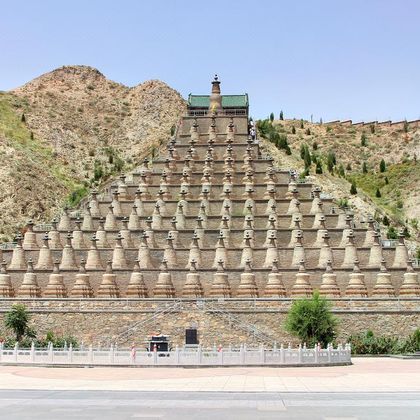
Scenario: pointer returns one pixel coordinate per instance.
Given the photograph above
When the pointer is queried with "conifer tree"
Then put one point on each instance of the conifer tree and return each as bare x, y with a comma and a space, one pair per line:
307, 158
331, 161
382, 166
272, 117
281, 115
293, 129
378, 193
363, 140
364, 168
353, 188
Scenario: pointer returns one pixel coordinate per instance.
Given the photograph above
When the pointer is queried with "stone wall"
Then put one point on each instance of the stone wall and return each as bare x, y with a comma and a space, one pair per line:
218, 321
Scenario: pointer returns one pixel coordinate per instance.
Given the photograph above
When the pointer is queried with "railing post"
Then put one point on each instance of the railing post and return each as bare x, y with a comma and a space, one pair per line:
1, 350
245, 350
111, 354
51, 355
329, 353
300, 354
199, 355
90, 354
15, 351
262, 354
221, 357
316, 353
242, 354
32, 352
155, 358
70, 353
177, 355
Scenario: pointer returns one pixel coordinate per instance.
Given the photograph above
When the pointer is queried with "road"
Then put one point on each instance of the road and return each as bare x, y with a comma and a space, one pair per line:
63, 405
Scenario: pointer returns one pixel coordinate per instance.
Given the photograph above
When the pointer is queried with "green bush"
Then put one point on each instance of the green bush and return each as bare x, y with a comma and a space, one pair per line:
391, 233
76, 196
293, 129
353, 188
311, 320
331, 161
364, 168
369, 343
363, 140
17, 320
378, 193
382, 166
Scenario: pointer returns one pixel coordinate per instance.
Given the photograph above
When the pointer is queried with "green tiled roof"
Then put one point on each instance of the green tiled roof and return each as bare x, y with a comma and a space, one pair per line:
228, 101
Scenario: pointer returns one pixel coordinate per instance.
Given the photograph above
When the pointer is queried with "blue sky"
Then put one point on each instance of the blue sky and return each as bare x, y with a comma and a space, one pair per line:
331, 59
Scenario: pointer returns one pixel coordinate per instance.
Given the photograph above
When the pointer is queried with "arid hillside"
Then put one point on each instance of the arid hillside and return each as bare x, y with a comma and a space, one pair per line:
337, 155
69, 129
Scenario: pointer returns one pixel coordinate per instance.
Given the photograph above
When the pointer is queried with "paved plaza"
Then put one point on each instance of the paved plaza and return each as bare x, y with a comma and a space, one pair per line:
365, 375
372, 388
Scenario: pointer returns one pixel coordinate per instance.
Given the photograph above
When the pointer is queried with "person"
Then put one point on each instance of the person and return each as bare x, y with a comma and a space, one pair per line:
253, 133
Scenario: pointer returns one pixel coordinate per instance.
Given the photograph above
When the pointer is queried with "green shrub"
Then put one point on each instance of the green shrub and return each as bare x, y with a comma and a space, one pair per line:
341, 171
301, 124
343, 203
17, 320
391, 233
378, 193
331, 161
385, 221
382, 166
293, 129
311, 320
315, 145
369, 343
76, 196
308, 131
364, 168
318, 168
363, 140
353, 188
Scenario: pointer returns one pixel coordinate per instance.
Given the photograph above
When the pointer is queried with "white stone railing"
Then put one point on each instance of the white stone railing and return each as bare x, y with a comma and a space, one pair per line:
241, 356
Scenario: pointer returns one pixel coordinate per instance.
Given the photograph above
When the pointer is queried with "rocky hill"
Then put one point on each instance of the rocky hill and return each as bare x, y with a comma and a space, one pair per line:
70, 129
343, 153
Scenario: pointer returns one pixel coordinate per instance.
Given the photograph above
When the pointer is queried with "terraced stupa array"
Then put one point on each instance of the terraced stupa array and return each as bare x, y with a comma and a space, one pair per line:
212, 217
